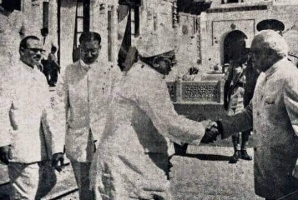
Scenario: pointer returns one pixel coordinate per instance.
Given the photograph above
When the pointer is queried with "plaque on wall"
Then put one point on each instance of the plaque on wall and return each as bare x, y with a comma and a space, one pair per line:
203, 92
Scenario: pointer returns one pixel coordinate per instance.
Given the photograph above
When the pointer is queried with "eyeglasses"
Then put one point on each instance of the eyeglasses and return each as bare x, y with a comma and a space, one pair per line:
170, 58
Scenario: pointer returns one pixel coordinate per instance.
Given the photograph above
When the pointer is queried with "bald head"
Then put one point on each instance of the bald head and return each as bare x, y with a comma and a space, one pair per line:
267, 48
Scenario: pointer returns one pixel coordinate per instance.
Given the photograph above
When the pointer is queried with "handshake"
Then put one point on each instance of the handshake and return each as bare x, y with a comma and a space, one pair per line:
212, 131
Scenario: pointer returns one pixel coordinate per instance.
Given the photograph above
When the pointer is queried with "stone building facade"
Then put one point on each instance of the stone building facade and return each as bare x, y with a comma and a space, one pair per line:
200, 35
110, 19
227, 16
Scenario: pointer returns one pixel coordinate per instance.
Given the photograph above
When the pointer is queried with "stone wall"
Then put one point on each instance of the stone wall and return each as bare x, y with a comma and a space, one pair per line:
187, 38
217, 23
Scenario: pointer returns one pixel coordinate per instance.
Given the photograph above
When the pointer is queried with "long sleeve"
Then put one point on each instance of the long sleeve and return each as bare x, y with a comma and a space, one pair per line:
237, 123
5, 104
158, 106
55, 137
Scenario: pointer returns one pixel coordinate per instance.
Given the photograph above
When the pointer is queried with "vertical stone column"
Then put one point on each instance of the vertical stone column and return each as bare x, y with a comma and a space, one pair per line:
198, 30
100, 25
204, 39
175, 15
53, 20
35, 16
67, 21
114, 34
93, 8
178, 90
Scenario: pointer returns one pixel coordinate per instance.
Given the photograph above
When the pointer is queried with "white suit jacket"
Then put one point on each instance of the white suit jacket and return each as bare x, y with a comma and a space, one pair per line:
26, 116
82, 102
273, 114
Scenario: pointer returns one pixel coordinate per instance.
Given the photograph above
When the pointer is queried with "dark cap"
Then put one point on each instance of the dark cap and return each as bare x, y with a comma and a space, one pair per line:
272, 24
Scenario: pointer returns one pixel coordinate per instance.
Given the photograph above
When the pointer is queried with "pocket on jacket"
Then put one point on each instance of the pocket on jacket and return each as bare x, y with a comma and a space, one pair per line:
14, 118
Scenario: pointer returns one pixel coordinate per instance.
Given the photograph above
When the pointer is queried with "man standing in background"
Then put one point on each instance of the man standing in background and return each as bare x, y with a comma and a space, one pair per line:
82, 103
47, 62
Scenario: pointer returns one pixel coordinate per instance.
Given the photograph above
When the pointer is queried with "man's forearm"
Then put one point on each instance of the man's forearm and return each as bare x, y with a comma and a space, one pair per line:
238, 123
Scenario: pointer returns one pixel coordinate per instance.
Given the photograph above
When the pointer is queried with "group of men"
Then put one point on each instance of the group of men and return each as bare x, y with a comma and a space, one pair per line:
116, 128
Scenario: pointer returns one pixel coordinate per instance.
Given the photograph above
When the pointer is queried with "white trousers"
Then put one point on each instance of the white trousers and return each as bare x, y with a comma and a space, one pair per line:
24, 179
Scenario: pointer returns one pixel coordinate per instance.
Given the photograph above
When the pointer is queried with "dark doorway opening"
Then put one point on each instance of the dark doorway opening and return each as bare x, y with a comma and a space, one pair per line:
235, 46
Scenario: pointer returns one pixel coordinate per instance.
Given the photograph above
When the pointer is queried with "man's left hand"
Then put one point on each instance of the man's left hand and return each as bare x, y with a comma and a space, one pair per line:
58, 161
5, 154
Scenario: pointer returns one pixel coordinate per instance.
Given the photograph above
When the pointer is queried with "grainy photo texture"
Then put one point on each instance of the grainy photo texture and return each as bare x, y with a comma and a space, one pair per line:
149, 99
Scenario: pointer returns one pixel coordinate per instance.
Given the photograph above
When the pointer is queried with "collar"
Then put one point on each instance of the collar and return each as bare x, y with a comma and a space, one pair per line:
29, 68
84, 66
2, 10
97, 66
275, 67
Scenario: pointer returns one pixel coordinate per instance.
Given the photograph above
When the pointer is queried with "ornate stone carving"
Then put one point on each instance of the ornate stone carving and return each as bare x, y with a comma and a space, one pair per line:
201, 92
196, 92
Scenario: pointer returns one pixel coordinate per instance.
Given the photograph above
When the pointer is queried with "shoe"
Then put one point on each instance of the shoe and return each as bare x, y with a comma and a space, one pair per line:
235, 157
245, 156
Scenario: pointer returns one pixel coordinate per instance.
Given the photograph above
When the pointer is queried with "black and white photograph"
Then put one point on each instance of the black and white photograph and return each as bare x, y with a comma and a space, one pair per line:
148, 100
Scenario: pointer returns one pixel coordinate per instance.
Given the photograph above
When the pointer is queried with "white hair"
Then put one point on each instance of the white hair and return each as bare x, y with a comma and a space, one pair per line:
272, 41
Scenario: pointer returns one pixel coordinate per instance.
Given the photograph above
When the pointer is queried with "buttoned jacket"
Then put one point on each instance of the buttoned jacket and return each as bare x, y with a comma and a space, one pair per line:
26, 116
273, 114
82, 102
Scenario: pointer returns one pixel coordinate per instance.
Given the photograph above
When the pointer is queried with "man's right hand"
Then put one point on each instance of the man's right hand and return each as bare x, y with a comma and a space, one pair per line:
5, 154
58, 161
211, 134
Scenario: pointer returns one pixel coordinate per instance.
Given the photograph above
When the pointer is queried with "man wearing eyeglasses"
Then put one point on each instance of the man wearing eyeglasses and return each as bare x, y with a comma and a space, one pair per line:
82, 103
26, 134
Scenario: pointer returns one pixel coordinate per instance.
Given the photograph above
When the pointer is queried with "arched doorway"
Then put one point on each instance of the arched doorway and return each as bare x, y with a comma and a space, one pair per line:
235, 46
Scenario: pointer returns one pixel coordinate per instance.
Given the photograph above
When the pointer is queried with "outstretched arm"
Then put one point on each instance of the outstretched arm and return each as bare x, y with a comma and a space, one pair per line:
160, 109
233, 124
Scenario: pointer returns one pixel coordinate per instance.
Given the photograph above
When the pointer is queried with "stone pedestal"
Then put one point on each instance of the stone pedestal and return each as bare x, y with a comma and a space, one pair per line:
199, 100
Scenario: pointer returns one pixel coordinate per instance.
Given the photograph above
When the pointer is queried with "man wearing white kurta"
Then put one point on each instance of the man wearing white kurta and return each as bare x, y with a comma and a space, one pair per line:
26, 134
273, 115
82, 95
132, 157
